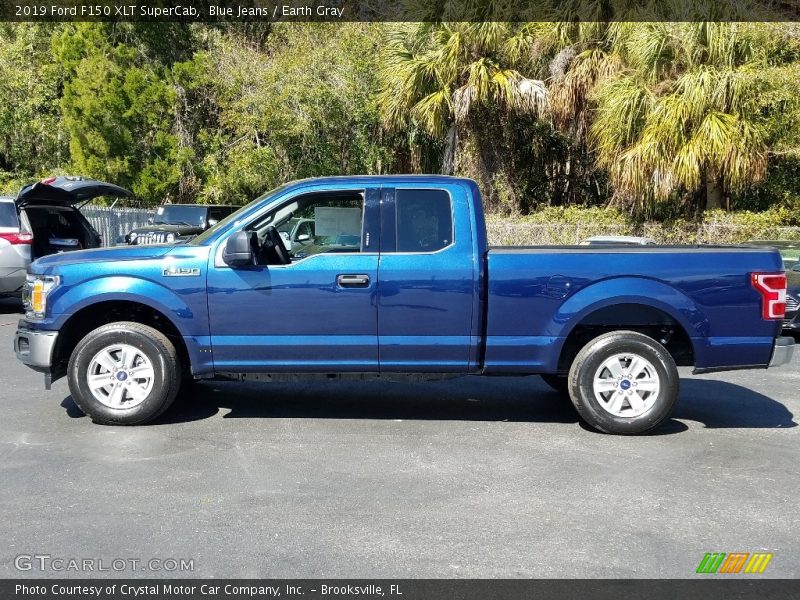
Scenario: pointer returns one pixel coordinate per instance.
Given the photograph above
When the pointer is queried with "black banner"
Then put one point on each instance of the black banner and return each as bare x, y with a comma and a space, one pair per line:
187, 11
739, 588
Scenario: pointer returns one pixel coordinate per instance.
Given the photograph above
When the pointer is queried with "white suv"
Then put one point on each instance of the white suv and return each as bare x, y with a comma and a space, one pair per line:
43, 219
15, 248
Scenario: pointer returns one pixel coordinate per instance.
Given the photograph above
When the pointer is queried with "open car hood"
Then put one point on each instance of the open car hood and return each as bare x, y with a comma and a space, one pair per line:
68, 190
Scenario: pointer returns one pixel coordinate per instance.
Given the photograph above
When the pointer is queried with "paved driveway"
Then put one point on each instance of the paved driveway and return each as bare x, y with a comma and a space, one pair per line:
464, 478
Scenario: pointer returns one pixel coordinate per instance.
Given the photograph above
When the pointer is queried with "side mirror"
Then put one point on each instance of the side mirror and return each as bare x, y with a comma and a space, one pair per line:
303, 237
796, 266
238, 250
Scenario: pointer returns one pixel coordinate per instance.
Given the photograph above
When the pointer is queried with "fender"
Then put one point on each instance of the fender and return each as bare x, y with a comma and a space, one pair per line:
630, 290
189, 317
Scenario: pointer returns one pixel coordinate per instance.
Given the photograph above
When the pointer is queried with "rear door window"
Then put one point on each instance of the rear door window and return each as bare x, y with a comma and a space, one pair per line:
424, 220
8, 216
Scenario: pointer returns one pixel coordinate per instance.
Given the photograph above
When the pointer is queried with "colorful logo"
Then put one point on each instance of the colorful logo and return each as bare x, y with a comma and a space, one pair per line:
734, 562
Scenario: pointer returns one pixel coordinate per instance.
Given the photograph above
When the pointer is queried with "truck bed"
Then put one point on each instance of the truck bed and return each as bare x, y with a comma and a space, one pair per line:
538, 295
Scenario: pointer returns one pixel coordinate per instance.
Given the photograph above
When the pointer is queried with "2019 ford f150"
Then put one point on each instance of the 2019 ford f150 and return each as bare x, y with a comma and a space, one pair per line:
399, 281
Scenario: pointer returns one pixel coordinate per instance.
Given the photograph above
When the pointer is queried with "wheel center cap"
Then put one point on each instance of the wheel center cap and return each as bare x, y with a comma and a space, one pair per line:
625, 384
122, 375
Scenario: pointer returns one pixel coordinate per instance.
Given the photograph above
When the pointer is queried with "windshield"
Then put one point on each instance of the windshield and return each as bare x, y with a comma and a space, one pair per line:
287, 226
176, 214
231, 218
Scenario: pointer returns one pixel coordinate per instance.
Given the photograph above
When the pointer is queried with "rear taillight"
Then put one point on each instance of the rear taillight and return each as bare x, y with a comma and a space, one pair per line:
17, 238
772, 287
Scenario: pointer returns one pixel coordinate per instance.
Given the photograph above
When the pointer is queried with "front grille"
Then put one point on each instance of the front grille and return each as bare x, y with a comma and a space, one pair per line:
152, 237
792, 303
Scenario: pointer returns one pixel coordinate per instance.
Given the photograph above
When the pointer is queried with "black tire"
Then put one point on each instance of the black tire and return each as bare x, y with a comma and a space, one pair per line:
605, 348
557, 382
153, 345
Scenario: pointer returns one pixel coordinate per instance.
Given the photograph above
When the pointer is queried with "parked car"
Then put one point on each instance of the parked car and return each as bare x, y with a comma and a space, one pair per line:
297, 233
789, 250
43, 219
420, 294
617, 240
174, 223
15, 248
791, 322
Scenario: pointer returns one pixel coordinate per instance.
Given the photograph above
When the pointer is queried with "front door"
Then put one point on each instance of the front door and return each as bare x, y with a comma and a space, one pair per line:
316, 314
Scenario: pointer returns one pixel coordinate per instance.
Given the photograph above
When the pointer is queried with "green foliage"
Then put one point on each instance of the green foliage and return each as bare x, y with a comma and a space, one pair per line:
301, 106
468, 83
653, 118
687, 106
118, 108
33, 142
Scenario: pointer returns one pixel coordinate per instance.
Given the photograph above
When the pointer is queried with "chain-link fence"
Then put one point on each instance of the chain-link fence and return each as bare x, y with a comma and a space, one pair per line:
508, 232
114, 223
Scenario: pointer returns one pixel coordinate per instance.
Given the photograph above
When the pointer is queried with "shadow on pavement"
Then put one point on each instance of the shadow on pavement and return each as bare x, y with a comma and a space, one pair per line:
467, 399
719, 404
10, 306
716, 404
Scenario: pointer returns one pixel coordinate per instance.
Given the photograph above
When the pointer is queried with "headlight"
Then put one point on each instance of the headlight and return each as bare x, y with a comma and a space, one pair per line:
170, 237
132, 237
34, 294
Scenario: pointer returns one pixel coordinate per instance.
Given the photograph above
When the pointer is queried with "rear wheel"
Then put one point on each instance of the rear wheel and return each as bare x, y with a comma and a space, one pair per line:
623, 382
124, 374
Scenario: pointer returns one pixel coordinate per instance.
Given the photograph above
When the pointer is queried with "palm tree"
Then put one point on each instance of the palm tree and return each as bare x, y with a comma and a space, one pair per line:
455, 80
675, 107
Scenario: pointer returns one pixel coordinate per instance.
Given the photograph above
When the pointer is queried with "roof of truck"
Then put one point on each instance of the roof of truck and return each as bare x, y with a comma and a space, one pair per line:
368, 178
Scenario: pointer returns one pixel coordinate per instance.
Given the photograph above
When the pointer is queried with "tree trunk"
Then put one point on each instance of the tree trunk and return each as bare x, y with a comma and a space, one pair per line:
449, 159
714, 191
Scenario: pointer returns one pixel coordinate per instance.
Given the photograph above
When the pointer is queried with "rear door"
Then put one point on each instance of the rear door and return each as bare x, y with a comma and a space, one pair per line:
426, 280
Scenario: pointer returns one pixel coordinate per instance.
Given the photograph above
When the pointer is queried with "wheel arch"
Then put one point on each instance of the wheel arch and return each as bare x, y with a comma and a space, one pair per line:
94, 315
654, 309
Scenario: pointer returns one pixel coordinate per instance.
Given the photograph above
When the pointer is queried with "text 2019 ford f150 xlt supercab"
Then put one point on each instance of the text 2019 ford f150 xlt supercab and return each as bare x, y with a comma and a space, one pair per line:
397, 280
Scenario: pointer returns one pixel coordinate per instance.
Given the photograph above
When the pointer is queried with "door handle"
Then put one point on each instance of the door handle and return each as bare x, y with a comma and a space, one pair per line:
353, 280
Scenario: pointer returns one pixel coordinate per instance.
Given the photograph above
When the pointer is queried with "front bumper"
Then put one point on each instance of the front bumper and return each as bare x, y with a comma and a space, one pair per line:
782, 351
35, 348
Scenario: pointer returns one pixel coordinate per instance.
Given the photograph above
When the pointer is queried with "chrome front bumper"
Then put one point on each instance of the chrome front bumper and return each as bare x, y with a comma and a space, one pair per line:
782, 351
35, 348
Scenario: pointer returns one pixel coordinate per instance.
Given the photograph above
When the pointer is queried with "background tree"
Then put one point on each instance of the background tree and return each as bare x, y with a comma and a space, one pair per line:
302, 105
659, 118
33, 139
469, 84
677, 108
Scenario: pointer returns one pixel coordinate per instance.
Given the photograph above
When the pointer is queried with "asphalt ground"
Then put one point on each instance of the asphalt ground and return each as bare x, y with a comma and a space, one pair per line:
473, 477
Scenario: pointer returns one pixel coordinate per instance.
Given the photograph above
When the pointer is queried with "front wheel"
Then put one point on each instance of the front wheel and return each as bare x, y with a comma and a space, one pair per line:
623, 382
124, 373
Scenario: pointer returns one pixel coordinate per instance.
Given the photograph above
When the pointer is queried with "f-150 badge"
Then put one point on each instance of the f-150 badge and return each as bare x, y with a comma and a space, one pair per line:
181, 272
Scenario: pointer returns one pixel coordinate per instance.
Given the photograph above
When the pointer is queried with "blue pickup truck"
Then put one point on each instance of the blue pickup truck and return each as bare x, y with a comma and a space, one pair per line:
398, 281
